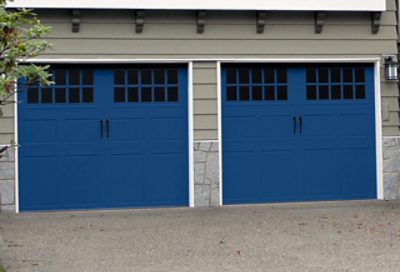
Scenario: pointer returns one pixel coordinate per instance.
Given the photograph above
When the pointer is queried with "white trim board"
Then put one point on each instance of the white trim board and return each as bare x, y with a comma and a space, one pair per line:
191, 134
290, 5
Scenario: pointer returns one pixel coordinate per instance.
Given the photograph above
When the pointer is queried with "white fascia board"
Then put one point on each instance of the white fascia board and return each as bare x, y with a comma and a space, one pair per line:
287, 5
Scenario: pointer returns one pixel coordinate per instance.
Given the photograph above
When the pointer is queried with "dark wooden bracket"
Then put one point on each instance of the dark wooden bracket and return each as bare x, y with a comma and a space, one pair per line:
76, 20
139, 21
319, 20
201, 21
375, 22
261, 20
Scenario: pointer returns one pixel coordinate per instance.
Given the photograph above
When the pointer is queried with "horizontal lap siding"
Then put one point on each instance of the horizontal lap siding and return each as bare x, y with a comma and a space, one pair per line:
172, 34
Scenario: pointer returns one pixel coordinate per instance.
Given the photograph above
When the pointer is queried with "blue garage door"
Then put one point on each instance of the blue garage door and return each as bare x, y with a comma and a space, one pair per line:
105, 138
295, 133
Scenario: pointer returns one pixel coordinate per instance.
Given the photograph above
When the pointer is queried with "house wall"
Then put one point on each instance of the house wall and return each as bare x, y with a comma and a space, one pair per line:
231, 34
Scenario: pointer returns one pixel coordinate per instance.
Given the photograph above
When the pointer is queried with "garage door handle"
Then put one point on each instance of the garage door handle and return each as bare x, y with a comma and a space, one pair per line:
294, 125
101, 128
108, 128
301, 124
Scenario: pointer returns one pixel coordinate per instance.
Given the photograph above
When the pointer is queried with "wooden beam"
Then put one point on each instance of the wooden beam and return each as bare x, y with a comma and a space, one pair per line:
76, 20
319, 20
139, 21
201, 21
261, 20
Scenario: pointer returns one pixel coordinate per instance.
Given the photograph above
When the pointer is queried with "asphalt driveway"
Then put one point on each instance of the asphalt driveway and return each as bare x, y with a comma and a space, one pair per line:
334, 236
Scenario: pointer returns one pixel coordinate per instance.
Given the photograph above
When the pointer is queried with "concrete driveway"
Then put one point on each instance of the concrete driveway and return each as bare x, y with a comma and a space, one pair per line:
334, 236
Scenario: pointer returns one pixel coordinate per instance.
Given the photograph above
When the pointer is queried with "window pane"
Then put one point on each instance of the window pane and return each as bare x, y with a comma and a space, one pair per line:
33, 96
282, 75
244, 93
256, 76
87, 77
173, 76
360, 75
231, 94
146, 77
87, 95
269, 76
323, 92
269, 93
348, 92
47, 95
244, 75
231, 76
133, 77
335, 75
336, 92
60, 78
119, 77
159, 94
146, 94
348, 75
311, 92
257, 93
74, 95
311, 76
133, 94
323, 76
61, 95
159, 77
119, 94
282, 93
360, 92
173, 94
74, 77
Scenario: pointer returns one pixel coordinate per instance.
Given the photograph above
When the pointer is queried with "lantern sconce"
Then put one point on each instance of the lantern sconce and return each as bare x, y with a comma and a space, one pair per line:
391, 69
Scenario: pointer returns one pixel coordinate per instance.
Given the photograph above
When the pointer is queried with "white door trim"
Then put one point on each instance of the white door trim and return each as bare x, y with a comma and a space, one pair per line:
82, 61
377, 93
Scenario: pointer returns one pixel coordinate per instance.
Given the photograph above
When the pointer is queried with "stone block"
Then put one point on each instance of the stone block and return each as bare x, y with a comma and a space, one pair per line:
391, 186
214, 201
199, 173
205, 146
8, 209
212, 165
199, 156
391, 152
391, 165
388, 142
196, 146
7, 192
8, 156
214, 147
7, 170
202, 195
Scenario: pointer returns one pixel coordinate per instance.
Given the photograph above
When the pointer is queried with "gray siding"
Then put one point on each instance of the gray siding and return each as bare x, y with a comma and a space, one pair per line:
172, 34
7, 124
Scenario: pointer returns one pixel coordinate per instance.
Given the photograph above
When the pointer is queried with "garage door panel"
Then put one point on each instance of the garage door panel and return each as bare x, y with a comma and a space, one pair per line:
355, 124
359, 175
127, 129
276, 126
40, 131
243, 127
321, 177
278, 178
41, 174
122, 184
81, 179
243, 167
80, 131
167, 128
164, 184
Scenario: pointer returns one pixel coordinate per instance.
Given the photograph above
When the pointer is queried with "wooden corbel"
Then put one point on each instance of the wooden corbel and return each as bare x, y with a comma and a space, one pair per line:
261, 18
76, 20
375, 22
201, 21
139, 21
319, 20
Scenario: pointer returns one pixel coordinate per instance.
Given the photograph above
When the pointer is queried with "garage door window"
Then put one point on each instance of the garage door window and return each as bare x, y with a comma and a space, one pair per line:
70, 87
324, 83
256, 84
146, 85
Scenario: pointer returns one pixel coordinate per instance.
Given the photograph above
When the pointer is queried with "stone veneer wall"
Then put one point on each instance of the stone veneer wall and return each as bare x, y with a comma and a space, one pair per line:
7, 178
206, 174
391, 168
